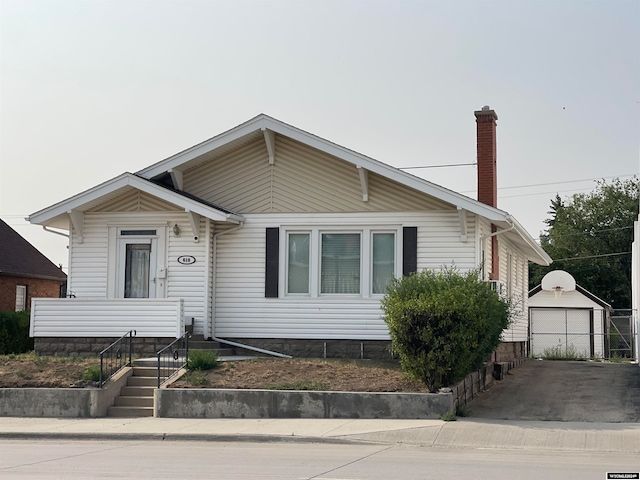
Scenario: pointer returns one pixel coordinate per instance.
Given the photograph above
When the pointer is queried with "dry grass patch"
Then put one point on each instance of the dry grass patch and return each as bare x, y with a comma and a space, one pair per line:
306, 374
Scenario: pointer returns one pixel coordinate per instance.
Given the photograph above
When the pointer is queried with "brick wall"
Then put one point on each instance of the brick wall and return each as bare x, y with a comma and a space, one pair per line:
35, 288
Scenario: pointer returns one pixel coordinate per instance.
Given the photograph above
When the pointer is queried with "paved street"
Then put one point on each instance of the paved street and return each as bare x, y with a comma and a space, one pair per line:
565, 392
157, 460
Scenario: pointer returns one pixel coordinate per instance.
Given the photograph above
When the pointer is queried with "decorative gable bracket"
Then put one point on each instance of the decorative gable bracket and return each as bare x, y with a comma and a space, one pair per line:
77, 222
462, 215
194, 221
364, 183
270, 140
177, 178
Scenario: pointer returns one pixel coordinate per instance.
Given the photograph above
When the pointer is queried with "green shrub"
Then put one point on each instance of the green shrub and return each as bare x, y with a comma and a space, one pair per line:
196, 378
449, 417
14, 333
203, 360
563, 353
91, 373
443, 324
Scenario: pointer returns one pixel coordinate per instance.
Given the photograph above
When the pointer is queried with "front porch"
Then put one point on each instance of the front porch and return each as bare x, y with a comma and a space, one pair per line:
83, 326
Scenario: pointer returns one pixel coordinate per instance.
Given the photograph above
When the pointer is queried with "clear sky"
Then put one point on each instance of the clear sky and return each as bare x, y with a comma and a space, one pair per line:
91, 89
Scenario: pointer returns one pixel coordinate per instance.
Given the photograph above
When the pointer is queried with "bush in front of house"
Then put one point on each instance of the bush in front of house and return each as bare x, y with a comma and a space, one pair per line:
443, 324
203, 360
14, 333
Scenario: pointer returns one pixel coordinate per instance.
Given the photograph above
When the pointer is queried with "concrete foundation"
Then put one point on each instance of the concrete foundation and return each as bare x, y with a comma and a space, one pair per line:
302, 348
510, 351
91, 346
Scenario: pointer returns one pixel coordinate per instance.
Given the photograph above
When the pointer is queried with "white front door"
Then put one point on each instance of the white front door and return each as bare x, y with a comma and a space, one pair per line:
137, 267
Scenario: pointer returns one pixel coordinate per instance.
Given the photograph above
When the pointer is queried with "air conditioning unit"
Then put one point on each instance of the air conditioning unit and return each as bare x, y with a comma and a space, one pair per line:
497, 286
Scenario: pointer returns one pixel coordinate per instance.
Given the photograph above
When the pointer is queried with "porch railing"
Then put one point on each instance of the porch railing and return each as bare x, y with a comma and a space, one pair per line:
172, 358
116, 356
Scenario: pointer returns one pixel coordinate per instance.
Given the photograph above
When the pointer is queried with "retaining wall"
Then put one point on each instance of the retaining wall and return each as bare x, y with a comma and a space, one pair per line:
219, 403
62, 402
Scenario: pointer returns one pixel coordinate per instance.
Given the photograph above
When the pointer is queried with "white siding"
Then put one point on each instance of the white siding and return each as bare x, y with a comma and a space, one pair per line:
93, 262
75, 317
188, 282
518, 331
242, 311
302, 180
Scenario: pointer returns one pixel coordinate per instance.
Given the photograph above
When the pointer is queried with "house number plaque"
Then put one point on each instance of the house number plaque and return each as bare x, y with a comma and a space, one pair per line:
186, 259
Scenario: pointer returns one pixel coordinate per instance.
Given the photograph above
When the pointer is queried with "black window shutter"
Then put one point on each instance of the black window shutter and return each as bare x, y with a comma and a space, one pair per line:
409, 250
272, 267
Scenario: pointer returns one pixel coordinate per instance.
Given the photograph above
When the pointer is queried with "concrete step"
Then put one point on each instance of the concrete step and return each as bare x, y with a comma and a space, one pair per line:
135, 381
151, 371
129, 391
130, 401
130, 412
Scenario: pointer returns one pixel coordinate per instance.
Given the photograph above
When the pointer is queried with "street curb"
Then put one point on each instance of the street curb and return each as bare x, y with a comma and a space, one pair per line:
179, 437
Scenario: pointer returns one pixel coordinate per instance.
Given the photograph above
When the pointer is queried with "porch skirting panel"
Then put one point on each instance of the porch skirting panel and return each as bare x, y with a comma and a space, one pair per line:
92, 346
306, 348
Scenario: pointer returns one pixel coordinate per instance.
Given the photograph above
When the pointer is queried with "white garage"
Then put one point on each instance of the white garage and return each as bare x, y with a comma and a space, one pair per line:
567, 317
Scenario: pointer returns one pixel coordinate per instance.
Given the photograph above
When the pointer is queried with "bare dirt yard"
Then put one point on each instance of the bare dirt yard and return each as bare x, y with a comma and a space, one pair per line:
305, 374
30, 370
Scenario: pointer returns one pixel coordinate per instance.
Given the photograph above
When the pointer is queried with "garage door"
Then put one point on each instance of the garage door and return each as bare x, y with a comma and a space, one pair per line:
566, 329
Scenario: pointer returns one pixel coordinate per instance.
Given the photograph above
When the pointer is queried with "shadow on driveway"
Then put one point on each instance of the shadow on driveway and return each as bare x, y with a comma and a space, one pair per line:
564, 391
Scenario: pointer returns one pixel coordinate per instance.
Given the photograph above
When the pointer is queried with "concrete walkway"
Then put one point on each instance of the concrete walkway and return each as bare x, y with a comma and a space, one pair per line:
464, 433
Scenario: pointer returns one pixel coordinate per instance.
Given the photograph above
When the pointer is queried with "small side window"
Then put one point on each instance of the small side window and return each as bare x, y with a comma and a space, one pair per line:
21, 298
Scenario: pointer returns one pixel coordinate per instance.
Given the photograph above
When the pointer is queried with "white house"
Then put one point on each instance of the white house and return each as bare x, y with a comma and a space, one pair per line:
272, 237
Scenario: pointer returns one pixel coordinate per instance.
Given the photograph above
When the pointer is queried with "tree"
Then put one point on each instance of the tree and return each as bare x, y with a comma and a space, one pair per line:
444, 324
590, 237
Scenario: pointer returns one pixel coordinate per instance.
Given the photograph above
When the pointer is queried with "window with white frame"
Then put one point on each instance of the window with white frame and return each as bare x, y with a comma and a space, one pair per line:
298, 270
339, 262
21, 298
383, 257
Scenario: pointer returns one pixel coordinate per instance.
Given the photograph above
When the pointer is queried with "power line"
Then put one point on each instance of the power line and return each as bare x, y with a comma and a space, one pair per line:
592, 231
557, 183
590, 256
438, 166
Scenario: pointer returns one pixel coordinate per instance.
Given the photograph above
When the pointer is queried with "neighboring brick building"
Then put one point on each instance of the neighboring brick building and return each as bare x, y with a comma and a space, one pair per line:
25, 273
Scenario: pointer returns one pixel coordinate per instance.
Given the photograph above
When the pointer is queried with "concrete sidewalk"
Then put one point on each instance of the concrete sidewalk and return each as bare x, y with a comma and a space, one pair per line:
464, 433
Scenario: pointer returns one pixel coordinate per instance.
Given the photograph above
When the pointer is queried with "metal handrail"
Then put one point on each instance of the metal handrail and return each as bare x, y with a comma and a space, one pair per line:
111, 358
172, 358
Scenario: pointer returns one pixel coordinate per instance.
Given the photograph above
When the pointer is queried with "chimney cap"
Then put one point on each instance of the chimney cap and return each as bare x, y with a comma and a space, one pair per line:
486, 113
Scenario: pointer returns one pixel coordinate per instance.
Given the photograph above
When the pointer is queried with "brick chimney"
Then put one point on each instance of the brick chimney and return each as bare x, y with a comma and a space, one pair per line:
487, 170
488, 173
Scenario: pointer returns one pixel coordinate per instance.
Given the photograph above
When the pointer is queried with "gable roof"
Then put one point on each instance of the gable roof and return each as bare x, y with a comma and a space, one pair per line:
263, 126
579, 289
57, 215
258, 126
21, 259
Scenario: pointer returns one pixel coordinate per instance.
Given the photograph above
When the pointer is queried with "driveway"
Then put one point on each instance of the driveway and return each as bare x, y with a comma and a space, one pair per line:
564, 391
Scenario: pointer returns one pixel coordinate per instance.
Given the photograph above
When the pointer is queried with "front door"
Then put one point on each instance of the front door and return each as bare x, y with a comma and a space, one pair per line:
137, 267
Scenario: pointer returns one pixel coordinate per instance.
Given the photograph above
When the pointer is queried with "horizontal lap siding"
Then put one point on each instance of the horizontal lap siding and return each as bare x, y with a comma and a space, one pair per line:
242, 311
89, 267
105, 318
302, 180
88, 262
188, 281
519, 329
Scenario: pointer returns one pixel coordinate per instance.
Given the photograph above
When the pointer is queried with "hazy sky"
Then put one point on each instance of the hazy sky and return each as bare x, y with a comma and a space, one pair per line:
91, 89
